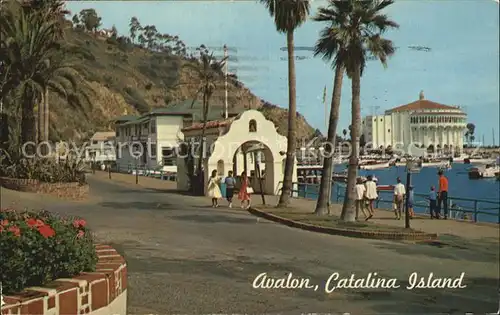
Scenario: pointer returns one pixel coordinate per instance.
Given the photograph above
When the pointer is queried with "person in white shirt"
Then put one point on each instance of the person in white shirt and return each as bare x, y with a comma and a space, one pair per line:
370, 194
399, 197
360, 198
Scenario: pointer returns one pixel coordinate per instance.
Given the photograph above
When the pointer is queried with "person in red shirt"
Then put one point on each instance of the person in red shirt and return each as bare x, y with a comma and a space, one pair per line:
442, 195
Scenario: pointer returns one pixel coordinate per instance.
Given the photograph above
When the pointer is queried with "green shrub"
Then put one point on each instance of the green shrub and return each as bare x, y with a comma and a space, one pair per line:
49, 170
38, 247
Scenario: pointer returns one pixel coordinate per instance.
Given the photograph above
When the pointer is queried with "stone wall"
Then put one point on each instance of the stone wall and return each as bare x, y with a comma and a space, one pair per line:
73, 191
103, 292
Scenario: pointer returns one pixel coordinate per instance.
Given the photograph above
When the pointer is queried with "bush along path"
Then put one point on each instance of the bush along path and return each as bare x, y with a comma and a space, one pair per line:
38, 246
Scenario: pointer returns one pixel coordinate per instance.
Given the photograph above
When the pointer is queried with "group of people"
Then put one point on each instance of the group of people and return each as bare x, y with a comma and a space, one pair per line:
366, 194
214, 191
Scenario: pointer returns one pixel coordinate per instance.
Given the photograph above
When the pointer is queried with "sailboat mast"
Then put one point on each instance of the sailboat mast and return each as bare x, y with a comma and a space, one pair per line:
493, 134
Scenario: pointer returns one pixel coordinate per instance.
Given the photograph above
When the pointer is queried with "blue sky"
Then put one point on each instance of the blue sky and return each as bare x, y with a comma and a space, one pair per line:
461, 69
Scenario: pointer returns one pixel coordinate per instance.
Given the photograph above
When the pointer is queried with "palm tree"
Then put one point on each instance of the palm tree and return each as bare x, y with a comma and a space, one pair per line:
30, 48
330, 48
288, 15
360, 35
208, 71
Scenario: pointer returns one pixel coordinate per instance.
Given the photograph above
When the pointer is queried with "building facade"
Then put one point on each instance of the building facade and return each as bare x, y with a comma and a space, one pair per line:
101, 147
149, 140
154, 137
421, 124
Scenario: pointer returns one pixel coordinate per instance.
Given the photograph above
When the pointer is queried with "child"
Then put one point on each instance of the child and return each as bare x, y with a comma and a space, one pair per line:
213, 189
410, 203
230, 183
433, 203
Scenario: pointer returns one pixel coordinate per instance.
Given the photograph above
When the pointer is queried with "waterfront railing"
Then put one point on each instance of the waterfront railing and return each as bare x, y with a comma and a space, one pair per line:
143, 170
465, 209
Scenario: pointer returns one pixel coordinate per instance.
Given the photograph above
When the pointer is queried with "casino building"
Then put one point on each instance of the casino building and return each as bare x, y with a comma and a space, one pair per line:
423, 123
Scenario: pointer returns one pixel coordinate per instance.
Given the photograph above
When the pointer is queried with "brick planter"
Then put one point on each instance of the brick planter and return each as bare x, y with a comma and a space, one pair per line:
380, 235
73, 191
103, 292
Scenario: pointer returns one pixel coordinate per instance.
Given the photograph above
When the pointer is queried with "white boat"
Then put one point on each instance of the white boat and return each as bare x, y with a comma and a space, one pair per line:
375, 166
487, 171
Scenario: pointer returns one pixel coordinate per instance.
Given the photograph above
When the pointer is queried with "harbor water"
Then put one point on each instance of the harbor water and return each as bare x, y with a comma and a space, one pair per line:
464, 193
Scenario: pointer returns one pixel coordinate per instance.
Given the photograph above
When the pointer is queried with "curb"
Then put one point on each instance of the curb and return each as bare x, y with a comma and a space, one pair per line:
379, 235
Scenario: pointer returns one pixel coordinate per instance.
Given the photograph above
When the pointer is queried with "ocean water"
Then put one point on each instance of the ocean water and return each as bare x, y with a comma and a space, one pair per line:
464, 193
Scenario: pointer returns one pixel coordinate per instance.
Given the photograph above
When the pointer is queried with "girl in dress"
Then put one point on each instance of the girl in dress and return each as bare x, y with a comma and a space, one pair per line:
244, 194
213, 189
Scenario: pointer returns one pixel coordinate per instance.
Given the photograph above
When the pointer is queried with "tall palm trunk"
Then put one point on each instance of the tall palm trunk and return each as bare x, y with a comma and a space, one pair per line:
348, 211
41, 120
201, 151
28, 124
46, 119
326, 179
292, 109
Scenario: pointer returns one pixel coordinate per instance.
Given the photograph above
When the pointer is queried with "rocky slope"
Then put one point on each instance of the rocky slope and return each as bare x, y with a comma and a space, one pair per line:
125, 79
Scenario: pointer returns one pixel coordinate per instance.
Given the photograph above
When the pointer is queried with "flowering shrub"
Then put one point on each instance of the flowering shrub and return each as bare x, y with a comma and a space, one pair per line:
37, 247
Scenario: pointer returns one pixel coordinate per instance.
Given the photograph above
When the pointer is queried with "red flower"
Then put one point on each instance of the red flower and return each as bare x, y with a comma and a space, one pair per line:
35, 223
79, 223
46, 231
80, 234
4, 222
15, 230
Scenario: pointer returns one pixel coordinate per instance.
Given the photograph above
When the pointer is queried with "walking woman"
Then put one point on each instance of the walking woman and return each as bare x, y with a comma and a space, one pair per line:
244, 194
213, 189
230, 183
370, 194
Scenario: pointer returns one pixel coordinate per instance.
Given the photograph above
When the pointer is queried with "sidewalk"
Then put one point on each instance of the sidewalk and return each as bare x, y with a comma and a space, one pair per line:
144, 181
468, 230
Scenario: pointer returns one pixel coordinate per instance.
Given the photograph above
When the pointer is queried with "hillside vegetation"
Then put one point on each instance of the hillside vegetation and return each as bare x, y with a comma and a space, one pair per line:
123, 78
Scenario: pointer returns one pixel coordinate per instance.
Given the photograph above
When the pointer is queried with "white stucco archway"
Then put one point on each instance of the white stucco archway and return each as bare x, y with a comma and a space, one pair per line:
227, 136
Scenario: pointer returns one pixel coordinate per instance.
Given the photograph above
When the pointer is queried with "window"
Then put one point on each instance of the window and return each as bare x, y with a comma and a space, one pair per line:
153, 150
388, 130
152, 126
168, 156
252, 126
117, 132
94, 141
380, 119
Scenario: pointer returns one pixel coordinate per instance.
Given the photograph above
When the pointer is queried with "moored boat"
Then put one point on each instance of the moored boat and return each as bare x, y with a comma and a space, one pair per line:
374, 165
488, 171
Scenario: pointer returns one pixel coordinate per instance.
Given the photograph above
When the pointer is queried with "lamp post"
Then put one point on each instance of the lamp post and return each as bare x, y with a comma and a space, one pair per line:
136, 170
411, 167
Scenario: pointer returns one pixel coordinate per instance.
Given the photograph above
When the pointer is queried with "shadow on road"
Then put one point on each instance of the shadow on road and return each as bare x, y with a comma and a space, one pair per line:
450, 247
214, 218
139, 205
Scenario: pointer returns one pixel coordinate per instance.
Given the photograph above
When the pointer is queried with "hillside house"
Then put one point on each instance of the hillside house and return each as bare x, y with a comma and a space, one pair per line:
101, 147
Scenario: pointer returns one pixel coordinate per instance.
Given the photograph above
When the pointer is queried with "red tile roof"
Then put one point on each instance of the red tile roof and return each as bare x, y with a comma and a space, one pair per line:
210, 124
421, 104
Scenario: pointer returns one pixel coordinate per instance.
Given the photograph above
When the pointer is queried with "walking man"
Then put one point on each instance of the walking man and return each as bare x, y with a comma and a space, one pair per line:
442, 195
360, 198
399, 197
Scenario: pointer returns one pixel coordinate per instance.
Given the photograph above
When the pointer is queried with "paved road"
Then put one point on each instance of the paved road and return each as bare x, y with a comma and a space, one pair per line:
185, 257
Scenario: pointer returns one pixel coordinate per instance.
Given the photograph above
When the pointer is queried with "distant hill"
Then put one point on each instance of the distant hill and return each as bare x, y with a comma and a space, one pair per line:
126, 79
